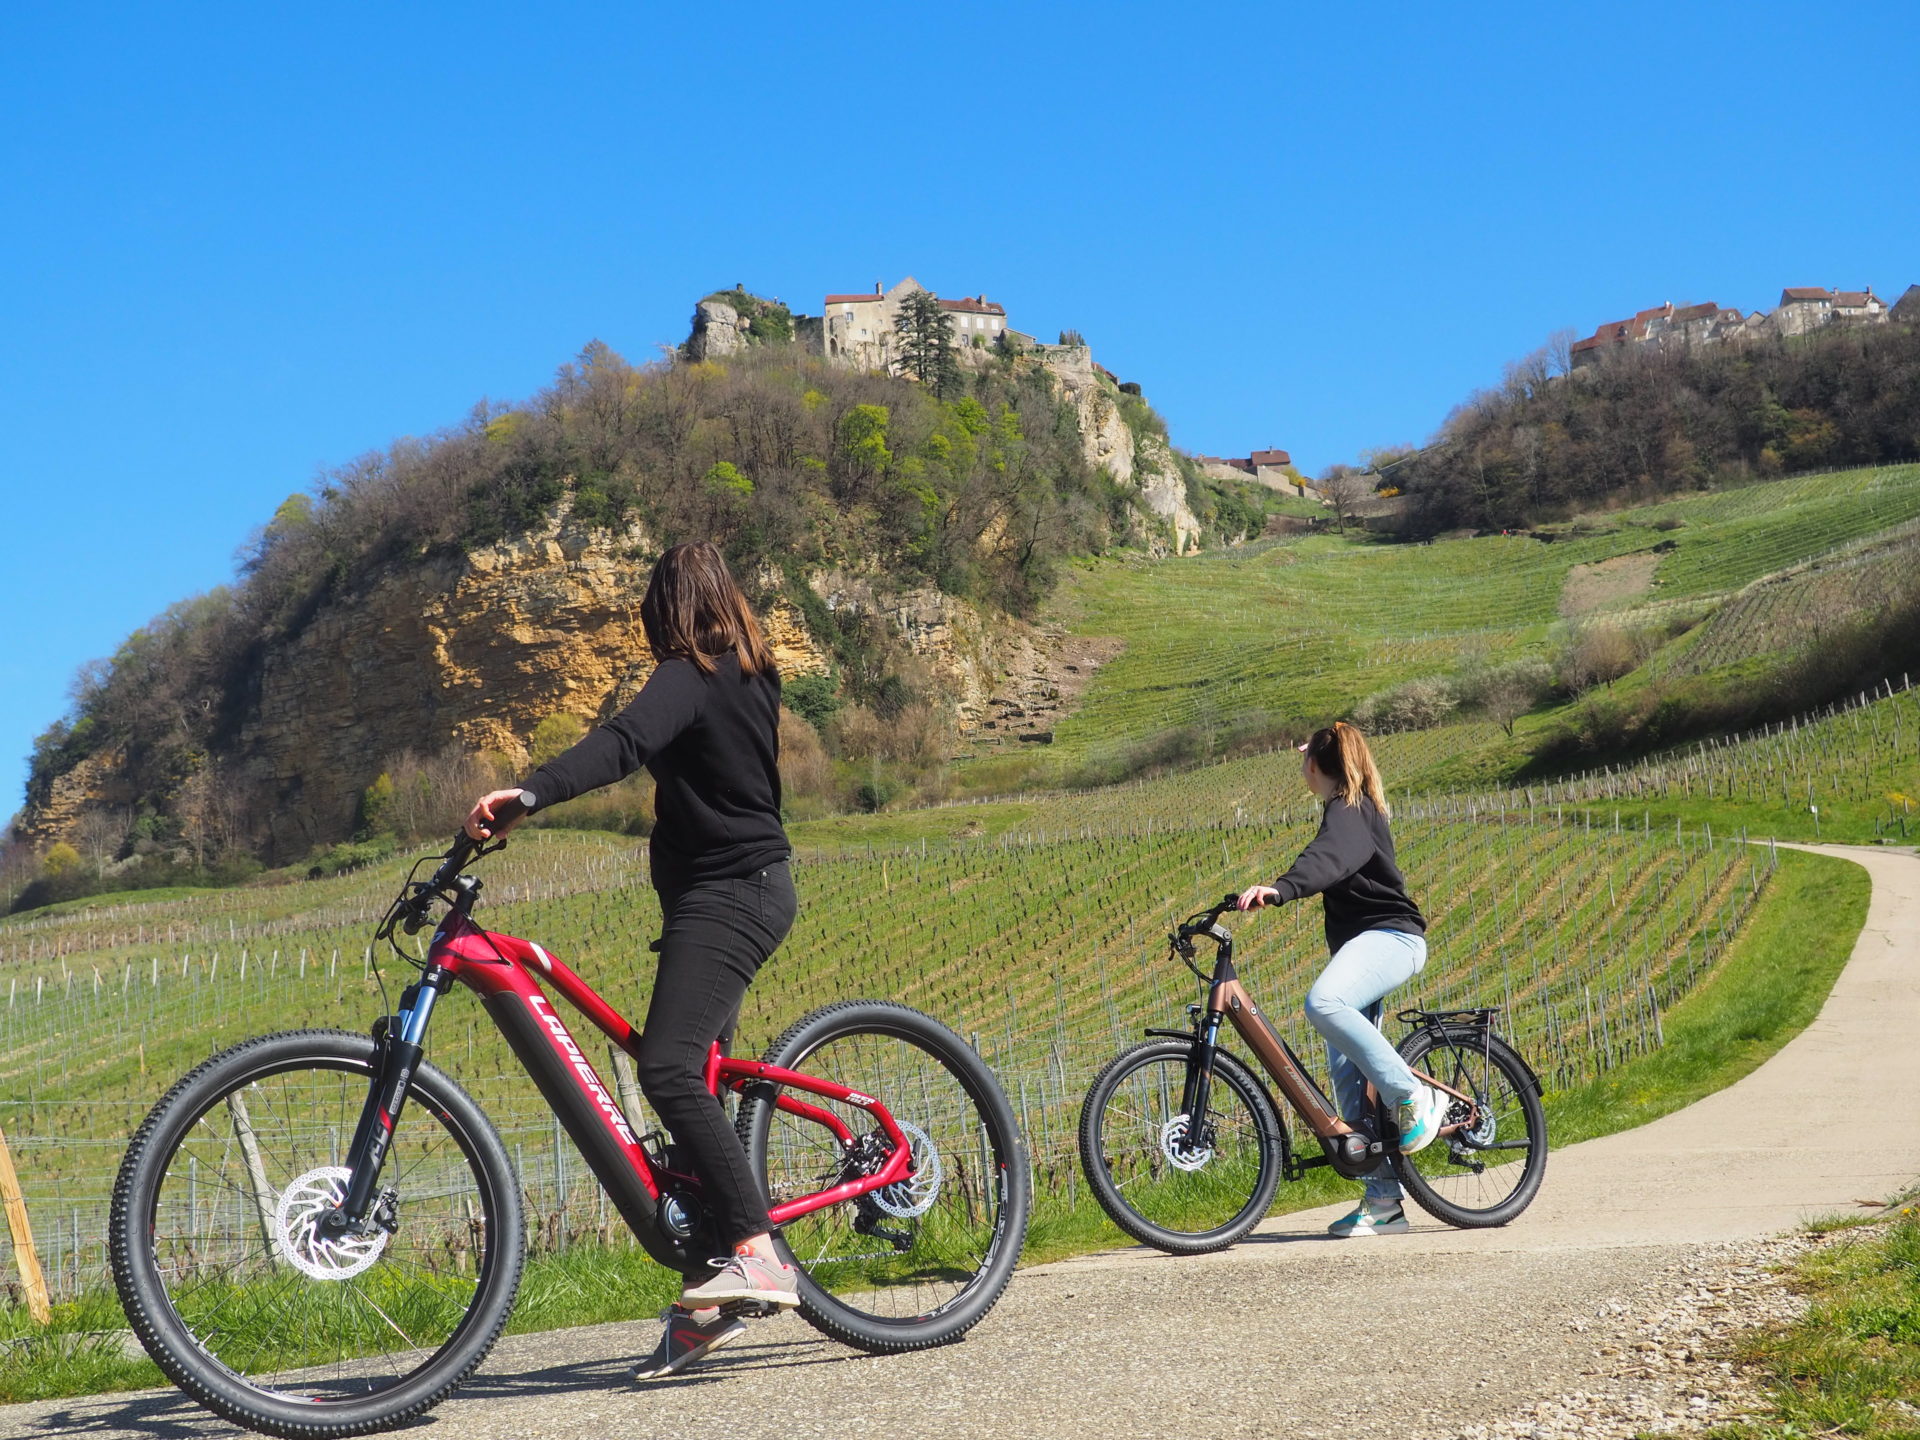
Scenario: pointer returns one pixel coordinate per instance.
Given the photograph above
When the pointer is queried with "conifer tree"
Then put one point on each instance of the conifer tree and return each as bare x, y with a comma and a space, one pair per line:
926, 343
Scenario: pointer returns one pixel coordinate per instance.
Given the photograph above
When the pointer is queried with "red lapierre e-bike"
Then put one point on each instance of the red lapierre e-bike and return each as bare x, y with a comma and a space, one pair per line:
319, 1233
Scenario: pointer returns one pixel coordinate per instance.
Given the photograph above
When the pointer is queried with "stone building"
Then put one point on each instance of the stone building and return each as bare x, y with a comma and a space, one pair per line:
1906, 310
1802, 310
1269, 467
858, 329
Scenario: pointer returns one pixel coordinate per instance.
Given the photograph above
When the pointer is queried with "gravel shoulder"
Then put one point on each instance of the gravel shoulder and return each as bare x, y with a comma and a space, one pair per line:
1599, 1312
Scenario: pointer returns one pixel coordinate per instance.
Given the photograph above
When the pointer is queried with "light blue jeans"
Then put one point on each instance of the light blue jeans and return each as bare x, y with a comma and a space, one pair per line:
1344, 1006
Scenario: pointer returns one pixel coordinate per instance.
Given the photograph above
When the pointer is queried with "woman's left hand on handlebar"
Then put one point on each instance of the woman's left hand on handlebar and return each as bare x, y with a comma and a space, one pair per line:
1255, 896
480, 824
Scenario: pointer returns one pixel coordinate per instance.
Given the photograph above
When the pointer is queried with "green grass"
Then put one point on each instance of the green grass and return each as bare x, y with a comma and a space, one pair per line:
1304, 628
87, 1349
1851, 1365
108, 900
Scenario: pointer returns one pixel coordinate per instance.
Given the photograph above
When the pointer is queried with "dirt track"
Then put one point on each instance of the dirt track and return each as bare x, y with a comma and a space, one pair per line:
1289, 1333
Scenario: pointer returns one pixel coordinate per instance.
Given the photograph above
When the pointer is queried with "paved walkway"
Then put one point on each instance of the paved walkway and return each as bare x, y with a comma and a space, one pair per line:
1288, 1333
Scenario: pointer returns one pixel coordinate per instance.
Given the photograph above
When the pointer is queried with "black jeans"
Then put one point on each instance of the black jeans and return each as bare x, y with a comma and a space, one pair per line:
715, 937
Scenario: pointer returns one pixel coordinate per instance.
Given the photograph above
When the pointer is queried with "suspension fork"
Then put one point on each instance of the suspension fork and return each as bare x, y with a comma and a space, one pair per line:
402, 1042
1193, 1098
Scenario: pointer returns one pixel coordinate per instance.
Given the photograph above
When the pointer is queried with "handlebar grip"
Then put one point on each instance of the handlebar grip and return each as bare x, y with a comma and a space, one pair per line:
509, 810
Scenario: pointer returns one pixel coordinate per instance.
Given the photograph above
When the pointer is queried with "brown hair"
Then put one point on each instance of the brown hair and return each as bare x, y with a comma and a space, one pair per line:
1343, 757
694, 609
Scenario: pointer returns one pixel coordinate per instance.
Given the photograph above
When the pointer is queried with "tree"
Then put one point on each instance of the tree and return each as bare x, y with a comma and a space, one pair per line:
1348, 489
926, 343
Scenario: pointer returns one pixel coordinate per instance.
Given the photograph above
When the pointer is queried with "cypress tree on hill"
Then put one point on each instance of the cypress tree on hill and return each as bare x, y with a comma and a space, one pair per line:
926, 343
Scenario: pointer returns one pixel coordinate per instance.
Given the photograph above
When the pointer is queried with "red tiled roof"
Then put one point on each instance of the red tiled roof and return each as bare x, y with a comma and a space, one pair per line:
1592, 342
1656, 310
1271, 457
972, 306
1804, 292
1705, 310
850, 299
1853, 299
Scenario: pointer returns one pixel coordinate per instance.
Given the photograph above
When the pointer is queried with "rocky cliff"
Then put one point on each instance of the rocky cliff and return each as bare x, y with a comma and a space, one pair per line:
476, 650
1148, 464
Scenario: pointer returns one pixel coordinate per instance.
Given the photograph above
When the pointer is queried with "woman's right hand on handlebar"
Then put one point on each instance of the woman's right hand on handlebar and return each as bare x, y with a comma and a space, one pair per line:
480, 826
1255, 896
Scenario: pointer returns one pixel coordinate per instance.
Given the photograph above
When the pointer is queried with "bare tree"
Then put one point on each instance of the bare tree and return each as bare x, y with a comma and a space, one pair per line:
1560, 350
1348, 488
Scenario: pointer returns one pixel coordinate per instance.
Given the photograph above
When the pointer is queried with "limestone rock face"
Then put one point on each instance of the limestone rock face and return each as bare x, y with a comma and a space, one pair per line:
470, 650
1107, 441
718, 331
1161, 485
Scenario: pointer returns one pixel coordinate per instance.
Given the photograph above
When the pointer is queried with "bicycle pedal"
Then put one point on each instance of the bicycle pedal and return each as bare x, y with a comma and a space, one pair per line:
748, 1310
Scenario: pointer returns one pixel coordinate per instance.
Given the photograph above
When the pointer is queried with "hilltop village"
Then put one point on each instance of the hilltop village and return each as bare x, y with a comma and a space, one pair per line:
861, 330
1802, 310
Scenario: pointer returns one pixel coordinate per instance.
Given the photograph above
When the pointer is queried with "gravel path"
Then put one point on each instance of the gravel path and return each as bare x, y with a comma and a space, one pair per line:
1599, 1312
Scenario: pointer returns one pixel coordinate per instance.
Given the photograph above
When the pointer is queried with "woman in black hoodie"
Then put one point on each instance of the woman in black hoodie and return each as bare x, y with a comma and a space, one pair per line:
1377, 937
707, 725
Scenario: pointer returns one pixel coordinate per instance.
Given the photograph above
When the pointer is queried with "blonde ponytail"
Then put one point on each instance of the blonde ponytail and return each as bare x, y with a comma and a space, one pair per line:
1341, 753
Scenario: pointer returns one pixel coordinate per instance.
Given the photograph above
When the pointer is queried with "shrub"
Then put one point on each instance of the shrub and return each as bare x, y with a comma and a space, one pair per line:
1597, 655
1415, 705
554, 735
352, 855
376, 808
814, 698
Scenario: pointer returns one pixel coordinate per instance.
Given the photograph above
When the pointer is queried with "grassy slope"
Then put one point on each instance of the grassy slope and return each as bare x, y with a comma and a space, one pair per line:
1306, 628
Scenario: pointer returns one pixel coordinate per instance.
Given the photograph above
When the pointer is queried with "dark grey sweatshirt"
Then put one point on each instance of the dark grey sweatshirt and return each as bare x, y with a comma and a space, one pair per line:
1350, 863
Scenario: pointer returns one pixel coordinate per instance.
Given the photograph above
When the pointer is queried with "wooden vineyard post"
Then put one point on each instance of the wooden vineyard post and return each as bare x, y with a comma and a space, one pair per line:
31, 1280
626, 1083
263, 1198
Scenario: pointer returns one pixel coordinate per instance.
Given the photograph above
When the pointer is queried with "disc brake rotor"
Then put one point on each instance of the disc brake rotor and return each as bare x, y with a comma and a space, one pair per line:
1481, 1133
296, 1228
1173, 1145
915, 1195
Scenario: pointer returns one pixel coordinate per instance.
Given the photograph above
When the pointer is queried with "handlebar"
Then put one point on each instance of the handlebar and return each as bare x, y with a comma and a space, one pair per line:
410, 911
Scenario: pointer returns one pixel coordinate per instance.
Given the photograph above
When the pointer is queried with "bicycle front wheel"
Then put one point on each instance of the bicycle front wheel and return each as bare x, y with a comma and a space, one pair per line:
918, 1263
1489, 1170
242, 1301
1179, 1187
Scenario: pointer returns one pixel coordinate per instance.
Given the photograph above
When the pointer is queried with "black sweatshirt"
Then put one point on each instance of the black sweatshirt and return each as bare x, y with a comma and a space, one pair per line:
1350, 863
712, 744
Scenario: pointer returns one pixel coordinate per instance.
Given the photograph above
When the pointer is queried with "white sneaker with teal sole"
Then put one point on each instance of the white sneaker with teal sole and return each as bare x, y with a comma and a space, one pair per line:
1420, 1118
1373, 1217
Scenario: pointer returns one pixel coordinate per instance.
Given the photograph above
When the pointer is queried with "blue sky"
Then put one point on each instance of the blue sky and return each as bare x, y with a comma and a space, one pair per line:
242, 245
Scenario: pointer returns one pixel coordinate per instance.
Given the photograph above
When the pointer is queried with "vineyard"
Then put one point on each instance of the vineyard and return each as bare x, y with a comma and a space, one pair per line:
1305, 628
1850, 772
1044, 947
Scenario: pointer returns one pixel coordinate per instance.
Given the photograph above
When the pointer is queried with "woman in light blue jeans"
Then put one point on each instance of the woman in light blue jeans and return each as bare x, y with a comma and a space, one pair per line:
1377, 937
1344, 1005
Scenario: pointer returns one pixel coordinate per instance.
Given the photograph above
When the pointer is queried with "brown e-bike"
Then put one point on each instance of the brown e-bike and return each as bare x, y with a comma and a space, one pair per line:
1187, 1186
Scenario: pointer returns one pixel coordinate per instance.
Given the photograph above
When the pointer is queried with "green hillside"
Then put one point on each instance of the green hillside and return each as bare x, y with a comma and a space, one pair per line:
1281, 634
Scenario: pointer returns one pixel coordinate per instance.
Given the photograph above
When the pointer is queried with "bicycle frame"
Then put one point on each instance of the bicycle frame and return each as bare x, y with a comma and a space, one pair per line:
502, 971
1228, 1001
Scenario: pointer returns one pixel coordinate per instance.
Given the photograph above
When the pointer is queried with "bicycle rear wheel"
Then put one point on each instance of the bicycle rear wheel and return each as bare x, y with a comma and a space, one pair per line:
246, 1306
919, 1263
1155, 1184
1489, 1171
